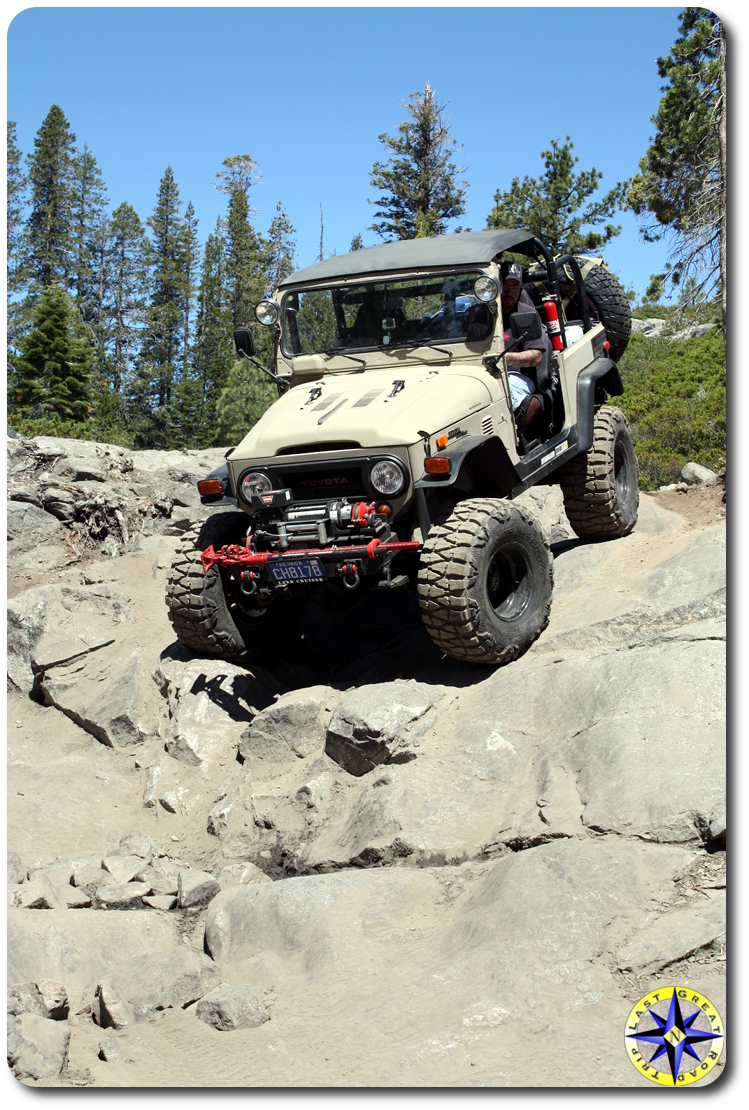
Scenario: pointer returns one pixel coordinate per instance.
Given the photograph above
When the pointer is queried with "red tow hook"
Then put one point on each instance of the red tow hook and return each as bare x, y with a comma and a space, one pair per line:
351, 577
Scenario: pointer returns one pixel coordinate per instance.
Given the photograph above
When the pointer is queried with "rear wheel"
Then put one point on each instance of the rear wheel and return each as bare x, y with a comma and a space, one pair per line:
209, 613
601, 494
485, 582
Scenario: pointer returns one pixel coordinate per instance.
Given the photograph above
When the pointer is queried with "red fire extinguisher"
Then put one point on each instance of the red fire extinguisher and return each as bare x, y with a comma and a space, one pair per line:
552, 324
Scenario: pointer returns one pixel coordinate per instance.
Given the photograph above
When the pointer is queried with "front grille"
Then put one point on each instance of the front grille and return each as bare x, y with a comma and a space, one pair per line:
327, 482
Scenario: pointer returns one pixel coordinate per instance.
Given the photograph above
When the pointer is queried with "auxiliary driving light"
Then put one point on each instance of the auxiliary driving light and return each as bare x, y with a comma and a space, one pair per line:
266, 313
485, 288
255, 483
387, 478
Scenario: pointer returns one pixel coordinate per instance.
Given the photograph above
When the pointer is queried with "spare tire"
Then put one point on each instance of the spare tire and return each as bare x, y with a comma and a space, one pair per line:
607, 302
607, 298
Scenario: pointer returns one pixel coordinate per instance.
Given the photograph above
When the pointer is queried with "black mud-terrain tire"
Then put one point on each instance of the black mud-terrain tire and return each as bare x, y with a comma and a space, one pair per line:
601, 494
485, 581
610, 301
202, 607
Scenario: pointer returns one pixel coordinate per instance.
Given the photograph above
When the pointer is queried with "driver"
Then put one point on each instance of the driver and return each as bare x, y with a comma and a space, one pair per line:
521, 364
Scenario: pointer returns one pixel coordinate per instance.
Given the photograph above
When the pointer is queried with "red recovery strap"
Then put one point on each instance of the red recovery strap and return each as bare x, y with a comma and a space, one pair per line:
232, 555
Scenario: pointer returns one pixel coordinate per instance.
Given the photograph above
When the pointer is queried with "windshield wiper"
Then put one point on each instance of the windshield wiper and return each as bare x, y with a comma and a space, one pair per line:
431, 346
332, 353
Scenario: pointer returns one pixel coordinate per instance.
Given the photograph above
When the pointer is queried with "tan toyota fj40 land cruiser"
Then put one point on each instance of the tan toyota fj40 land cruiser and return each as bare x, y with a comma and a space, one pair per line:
392, 456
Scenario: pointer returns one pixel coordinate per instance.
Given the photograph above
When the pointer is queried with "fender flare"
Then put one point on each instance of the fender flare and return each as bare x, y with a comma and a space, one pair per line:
600, 377
491, 457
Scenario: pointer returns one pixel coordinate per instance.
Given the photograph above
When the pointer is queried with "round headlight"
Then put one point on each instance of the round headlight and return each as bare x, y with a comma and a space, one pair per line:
266, 313
255, 483
485, 288
387, 478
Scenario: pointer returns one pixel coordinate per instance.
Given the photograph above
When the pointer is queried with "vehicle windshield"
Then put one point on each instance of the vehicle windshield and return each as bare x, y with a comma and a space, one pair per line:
410, 312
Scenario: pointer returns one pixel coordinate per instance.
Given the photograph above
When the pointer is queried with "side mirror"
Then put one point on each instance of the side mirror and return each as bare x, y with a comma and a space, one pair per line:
525, 325
243, 342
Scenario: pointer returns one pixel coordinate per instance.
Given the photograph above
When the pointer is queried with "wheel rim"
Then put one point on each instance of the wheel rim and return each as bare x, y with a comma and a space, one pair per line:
621, 472
509, 582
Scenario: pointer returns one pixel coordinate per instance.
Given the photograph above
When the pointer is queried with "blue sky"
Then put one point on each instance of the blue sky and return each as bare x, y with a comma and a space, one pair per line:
306, 92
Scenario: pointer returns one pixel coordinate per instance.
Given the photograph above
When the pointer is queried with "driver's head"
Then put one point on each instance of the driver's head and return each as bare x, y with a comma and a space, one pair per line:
512, 287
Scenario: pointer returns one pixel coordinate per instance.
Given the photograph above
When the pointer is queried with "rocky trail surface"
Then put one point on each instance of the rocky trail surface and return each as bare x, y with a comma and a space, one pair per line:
367, 864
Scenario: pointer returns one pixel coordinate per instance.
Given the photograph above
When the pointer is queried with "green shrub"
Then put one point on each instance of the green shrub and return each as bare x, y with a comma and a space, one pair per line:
675, 401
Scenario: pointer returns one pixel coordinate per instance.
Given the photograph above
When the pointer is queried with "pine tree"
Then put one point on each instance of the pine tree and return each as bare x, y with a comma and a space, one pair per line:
50, 219
190, 262
125, 301
54, 370
357, 243
680, 190
419, 180
88, 202
212, 353
280, 250
557, 207
16, 253
161, 355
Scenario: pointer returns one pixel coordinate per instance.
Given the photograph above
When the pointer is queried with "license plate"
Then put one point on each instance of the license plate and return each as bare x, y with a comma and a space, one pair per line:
301, 570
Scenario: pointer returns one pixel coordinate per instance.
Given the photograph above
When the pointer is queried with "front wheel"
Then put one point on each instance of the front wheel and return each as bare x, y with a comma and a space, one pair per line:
208, 612
600, 486
485, 582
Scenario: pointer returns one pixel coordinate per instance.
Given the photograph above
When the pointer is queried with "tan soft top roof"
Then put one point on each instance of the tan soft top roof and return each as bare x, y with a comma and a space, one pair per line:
465, 249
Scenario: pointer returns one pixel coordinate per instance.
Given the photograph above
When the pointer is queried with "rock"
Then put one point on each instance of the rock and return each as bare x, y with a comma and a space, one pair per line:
122, 868
196, 888
241, 874
382, 723
16, 873
58, 871
75, 948
90, 878
75, 899
110, 1050
157, 879
138, 844
26, 998
158, 982
289, 729
316, 920
101, 694
108, 1009
650, 326
236, 1007
39, 894
547, 505
54, 999
37, 1047
210, 708
30, 527
696, 475
123, 896
85, 612
160, 901
58, 647
673, 936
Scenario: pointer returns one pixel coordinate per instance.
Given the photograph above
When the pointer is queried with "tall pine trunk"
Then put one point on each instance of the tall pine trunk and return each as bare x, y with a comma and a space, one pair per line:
723, 178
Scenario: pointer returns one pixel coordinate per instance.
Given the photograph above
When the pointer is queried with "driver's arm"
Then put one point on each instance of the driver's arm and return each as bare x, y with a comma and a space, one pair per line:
524, 358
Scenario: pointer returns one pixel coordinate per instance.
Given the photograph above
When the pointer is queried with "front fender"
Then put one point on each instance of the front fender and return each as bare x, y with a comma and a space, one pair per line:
487, 457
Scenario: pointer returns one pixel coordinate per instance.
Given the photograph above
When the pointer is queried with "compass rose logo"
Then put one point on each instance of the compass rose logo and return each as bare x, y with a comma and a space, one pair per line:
674, 1036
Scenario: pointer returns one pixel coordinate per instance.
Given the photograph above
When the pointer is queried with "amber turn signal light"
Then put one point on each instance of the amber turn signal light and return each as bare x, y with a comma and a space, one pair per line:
384, 510
436, 465
209, 487
442, 442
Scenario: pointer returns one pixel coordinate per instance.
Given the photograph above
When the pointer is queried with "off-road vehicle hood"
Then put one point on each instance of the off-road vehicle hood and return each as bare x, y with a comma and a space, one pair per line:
377, 408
